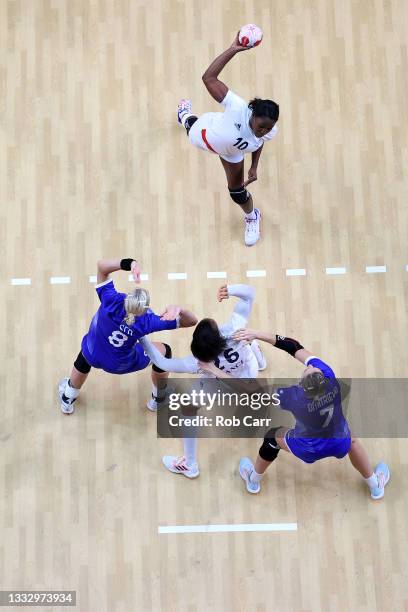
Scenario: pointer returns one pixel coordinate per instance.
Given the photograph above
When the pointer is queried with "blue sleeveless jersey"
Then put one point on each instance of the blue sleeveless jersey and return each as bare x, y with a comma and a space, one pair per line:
321, 429
110, 343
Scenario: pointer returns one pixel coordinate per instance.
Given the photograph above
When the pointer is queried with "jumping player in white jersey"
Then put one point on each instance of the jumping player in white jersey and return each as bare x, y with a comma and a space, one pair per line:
241, 128
112, 342
212, 343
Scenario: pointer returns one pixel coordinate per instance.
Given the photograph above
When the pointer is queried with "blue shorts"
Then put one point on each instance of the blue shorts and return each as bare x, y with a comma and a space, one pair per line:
310, 450
135, 361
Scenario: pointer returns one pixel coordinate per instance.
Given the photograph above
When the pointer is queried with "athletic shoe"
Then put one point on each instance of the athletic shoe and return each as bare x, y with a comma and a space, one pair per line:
256, 349
153, 403
178, 465
246, 467
252, 233
66, 403
184, 108
382, 471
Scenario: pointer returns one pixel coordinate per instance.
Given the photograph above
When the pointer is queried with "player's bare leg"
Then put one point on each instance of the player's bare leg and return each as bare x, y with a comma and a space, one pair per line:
252, 474
377, 479
239, 194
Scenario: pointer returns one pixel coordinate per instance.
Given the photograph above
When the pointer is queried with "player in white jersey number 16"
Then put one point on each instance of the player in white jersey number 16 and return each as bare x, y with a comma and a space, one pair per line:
242, 128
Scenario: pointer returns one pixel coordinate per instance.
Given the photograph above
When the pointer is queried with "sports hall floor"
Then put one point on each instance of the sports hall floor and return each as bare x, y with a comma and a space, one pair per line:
93, 164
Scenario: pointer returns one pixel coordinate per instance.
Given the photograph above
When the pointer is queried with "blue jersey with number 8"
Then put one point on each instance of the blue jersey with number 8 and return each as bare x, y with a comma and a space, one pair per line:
110, 343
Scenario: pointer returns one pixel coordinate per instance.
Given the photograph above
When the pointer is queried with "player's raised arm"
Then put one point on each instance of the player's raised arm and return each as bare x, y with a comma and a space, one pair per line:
216, 88
289, 345
107, 266
245, 295
185, 317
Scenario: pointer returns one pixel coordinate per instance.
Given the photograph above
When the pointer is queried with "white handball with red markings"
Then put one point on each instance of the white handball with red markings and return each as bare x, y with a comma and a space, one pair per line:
250, 35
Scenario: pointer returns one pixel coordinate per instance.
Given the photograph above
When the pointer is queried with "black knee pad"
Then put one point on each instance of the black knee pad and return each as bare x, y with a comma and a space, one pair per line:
240, 195
270, 448
81, 364
166, 354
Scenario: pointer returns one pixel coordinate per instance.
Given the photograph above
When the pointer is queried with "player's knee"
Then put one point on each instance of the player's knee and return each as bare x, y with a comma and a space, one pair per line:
167, 354
240, 195
81, 364
270, 448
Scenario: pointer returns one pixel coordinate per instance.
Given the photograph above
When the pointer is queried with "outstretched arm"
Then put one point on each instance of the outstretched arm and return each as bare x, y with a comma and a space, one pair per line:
107, 266
243, 307
216, 88
291, 346
185, 318
187, 365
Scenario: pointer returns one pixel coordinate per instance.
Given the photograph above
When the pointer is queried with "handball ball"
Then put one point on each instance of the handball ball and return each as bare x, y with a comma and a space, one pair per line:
250, 35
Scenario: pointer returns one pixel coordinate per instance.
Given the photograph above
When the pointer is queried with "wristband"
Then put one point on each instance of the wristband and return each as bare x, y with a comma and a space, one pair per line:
126, 264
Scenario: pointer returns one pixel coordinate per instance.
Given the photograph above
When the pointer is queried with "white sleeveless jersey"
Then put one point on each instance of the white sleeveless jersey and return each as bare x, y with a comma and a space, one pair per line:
228, 134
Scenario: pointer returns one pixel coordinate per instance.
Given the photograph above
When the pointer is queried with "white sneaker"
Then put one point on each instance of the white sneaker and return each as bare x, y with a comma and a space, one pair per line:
382, 471
178, 465
184, 108
246, 467
256, 349
65, 402
252, 232
153, 403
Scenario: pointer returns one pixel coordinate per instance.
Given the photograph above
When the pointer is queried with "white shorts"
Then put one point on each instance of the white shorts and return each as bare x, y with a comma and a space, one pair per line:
197, 137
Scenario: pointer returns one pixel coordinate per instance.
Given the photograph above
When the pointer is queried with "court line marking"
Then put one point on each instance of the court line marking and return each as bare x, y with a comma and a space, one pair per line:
228, 528
60, 280
255, 273
375, 269
216, 275
143, 277
177, 275
336, 270
295, 272
21, 281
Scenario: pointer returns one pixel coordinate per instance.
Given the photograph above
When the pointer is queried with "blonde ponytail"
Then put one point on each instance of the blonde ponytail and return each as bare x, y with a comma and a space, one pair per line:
136, 304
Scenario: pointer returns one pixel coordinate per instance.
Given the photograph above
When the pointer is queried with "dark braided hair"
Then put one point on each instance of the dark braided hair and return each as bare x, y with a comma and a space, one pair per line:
264, 108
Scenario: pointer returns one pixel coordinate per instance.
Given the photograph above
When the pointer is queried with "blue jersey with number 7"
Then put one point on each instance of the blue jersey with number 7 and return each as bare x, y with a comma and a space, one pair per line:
320, 418
110, 343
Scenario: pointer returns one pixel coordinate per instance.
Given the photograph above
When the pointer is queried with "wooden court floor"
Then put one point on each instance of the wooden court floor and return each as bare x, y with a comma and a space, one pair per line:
93, 164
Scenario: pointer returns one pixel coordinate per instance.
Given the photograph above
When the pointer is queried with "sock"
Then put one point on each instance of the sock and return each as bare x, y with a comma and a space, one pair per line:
70, 392
255, 477
252, 215
372, 481
190, 450
158, 393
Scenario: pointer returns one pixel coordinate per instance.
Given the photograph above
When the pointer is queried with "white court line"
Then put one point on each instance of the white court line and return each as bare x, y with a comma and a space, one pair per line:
375, 269
143, 277
60, 280
228, 528
406, 268
295, 272
255, 273
177, 275
21, 281
92, 279
336, 270
216, 275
